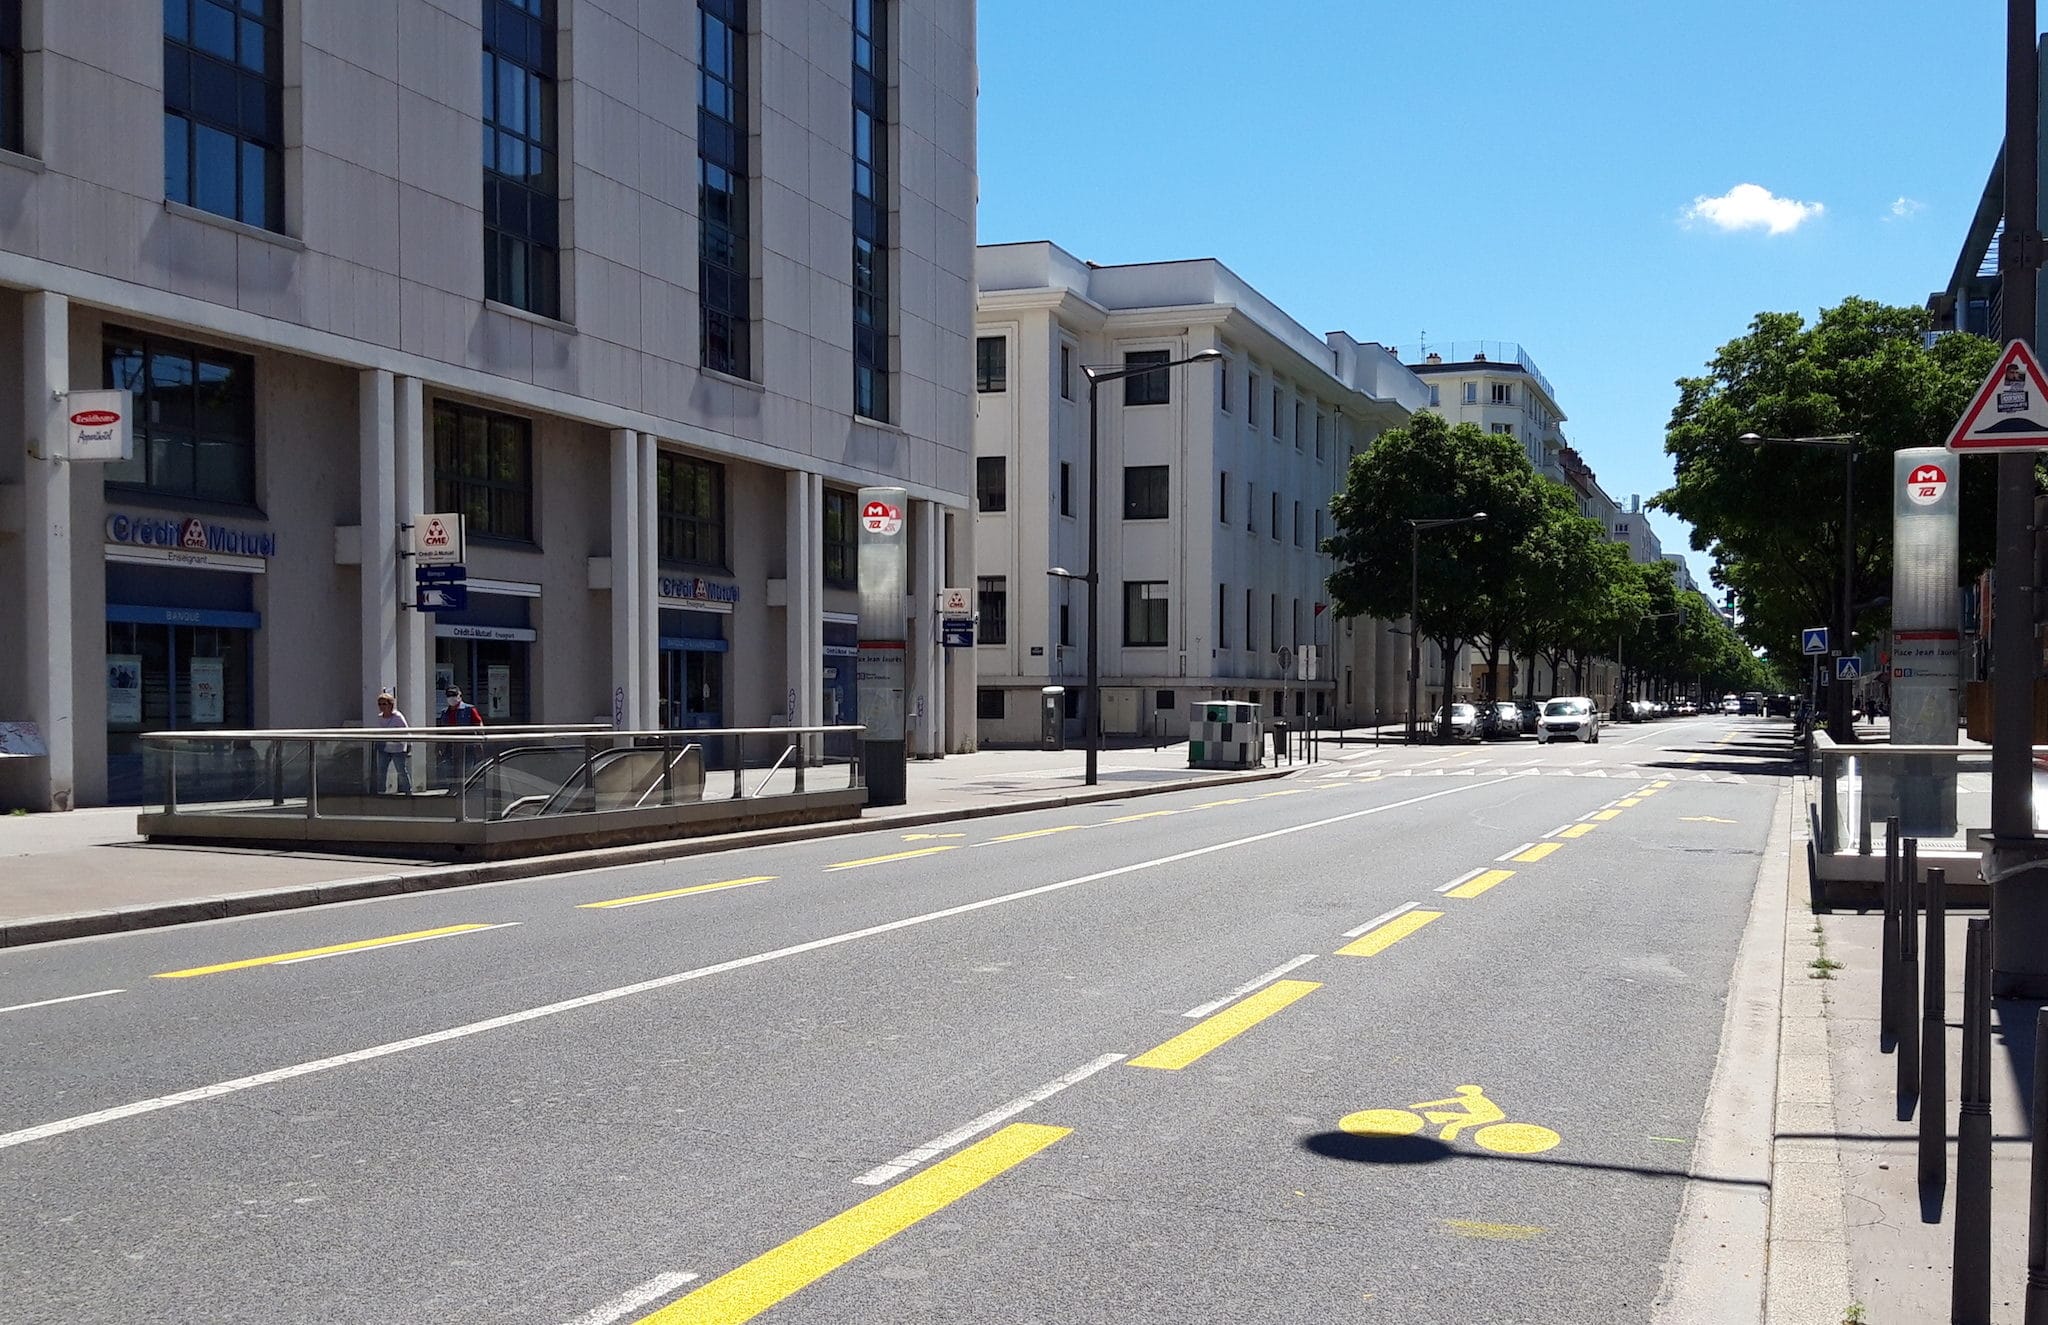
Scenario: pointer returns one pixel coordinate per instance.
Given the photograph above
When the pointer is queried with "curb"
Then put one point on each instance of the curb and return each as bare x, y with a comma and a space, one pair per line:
187, 911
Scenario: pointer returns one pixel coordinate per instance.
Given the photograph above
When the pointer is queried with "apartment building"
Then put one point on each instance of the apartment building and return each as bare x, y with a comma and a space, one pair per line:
1215, 487
1496, 385
644, 292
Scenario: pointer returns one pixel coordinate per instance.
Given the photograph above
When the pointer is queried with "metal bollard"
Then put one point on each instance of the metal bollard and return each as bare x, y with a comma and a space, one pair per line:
1909, 972
1888, 981
1934, 1041
1970, 1282
2037, 1190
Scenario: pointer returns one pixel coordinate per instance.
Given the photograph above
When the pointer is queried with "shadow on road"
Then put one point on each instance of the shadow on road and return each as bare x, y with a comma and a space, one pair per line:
1404, 1150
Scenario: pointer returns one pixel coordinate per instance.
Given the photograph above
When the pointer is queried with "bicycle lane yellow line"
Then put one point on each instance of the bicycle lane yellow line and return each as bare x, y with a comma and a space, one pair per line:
1213, 1032
744, 1293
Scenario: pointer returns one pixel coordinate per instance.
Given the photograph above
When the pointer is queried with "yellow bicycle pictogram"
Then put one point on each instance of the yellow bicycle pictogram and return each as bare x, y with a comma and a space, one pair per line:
1469, 1109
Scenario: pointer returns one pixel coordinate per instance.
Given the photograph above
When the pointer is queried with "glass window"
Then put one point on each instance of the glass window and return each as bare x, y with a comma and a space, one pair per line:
871, 199
724, 227
842, 556
1145, 492
10, 75
1297, 524
1223, 370
689, 507
988, 703
1066, 624
1066, 488
992, 602
1300, 413
1276, 410
1144, 388
1066, 372
991, 369
1273, 518
1503, 393
1223, 497
522, 261
483, 467
1145, 604
1222, 615
223, 104
1251, 399
991, 486
1248, 620
194, 418
1471, 393
1435, 395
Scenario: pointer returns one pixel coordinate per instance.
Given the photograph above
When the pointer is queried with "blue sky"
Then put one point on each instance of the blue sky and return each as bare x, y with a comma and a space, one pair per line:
1513, 171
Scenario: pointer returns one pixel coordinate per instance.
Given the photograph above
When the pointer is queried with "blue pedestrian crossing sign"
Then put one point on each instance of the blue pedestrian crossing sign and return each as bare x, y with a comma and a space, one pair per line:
1814, 640
1849, 668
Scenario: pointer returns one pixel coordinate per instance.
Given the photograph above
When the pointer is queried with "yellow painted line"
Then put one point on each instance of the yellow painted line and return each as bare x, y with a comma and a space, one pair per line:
1602, 816
1387, 935
304, 953
744, 1293
1475, 886
1227, 1025
1578, 830
1149, 814
1290, 791
1210, 805
883, 860
1627, 802
1659, 786
1538, 851
1037, 832
1472, 1228
1695, 756
1646, 791
675, 892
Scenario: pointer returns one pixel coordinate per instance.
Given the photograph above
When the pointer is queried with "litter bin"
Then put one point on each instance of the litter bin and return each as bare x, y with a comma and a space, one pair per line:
1052, 718
1280, 742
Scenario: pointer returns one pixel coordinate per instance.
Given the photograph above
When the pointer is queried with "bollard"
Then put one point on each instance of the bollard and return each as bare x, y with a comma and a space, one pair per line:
1934, 1042
1970, 1283
1908, 1009
2037, 1191
1888, 980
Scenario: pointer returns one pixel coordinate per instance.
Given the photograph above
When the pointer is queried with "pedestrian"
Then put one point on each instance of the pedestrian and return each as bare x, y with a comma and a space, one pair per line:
455, 713
392, 754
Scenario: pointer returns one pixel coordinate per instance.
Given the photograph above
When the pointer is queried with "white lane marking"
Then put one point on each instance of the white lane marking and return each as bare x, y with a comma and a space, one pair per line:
68, 998
384, 947
1379, 920
910, 1159
1249, 985
612, 1308
1555, 831
1466, 877
80, 1122
1505, 855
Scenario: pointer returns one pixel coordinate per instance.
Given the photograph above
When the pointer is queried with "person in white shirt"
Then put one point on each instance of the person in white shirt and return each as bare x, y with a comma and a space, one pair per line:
392, 754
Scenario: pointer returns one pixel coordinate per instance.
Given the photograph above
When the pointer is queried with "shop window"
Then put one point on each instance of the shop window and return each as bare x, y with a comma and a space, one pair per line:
842, 555
690, 509
483, 467
1145, 492
1145, 605
223, 107
988, 704
195, 418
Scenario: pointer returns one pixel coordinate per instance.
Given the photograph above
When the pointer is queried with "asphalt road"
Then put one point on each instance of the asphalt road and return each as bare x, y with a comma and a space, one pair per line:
1081, 1065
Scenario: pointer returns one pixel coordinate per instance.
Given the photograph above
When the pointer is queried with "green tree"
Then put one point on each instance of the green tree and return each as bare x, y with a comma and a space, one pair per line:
1772, 516
1430, 470
1563, 582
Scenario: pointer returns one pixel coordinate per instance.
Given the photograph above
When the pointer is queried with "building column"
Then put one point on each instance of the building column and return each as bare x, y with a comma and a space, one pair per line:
379, 588
960, 668
647, 590
622, 698
803, 615
46, 532
415, 670
922, 703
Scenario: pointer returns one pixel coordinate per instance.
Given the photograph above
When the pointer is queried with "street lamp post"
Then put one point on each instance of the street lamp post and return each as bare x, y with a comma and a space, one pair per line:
1845, 610
1415, 531
1091, 720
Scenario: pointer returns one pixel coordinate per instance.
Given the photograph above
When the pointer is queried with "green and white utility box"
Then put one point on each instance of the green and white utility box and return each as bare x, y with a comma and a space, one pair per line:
1223, 733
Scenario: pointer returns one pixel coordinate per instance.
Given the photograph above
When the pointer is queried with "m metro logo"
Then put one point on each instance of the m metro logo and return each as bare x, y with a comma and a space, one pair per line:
879, 517
1926, 484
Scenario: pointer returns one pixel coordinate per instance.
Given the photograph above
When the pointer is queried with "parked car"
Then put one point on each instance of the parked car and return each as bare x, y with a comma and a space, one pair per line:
1569, 718
1532, 714
1464, 722
1500, 721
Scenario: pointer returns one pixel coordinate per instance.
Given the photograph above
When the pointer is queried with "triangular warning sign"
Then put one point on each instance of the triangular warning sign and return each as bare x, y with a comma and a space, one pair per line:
2010, 411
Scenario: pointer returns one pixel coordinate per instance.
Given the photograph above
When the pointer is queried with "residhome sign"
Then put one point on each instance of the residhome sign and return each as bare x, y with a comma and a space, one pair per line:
2010, 410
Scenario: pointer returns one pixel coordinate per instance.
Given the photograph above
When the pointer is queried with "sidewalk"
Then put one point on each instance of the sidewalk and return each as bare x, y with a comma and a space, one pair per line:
1847, 1208
86, 872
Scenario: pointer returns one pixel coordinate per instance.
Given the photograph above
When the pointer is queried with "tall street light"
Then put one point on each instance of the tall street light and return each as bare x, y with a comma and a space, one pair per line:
1092, 719
1415, 531
1845, 610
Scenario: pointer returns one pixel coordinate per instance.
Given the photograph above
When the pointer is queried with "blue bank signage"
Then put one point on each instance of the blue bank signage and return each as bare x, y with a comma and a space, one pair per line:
190, 535
693, 589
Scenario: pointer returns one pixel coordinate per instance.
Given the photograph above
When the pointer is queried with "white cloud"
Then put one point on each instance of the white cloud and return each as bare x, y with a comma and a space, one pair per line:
1905, 209
1752, 207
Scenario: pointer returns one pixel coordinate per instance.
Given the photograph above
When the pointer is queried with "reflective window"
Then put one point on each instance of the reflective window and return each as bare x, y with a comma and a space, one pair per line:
223, 105
194, 418
724, 315
871, 302
522, 239
483, 467
689, 506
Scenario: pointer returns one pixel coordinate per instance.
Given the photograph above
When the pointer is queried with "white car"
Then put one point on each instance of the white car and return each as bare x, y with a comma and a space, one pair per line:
1569, 718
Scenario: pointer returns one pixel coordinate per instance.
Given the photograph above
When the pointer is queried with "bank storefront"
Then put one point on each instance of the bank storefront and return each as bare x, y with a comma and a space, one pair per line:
487, 650
181, 635
696, 641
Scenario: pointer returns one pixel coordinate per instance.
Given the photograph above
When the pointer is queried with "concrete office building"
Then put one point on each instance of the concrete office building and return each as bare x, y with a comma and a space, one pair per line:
644, 291
1216, 481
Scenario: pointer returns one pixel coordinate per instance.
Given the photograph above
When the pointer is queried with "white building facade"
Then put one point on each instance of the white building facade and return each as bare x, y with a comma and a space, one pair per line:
1215, 478
1498, 387
643, 291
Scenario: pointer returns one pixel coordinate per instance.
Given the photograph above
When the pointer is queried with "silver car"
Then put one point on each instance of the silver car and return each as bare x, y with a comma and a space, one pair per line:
1569, 718
1464, 722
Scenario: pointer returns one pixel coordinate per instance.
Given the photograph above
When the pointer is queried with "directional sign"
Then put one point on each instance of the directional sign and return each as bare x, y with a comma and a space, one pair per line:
1814, 640
2010, 411
1926, 484
442, 598
1848, 668
956, 633
440, 574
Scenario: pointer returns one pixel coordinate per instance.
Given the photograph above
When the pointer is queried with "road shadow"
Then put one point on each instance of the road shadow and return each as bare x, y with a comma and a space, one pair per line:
1404, 1151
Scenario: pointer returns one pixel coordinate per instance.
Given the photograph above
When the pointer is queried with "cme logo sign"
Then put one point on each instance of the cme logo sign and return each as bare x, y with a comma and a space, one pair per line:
879, 517
190, 535
436, 535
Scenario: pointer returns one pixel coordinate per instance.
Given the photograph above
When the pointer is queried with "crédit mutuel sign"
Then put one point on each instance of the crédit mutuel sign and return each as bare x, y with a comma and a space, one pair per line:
190, 541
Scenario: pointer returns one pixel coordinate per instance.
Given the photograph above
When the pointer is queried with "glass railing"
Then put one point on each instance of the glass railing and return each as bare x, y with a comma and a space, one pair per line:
1939, 794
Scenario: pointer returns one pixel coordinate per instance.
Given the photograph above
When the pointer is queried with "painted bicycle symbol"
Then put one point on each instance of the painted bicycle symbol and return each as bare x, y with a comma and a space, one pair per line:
1469, 1109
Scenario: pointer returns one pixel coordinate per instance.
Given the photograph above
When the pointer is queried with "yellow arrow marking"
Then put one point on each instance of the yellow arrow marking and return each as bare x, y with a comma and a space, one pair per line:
882, 860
